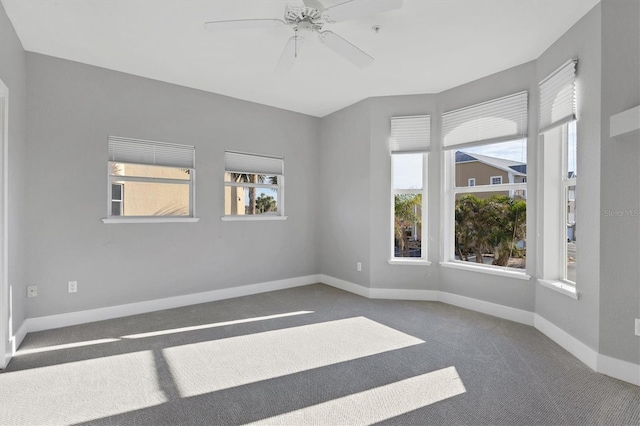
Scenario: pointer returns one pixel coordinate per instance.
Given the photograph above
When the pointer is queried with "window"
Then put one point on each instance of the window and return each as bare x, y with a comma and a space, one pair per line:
485, 223
253, 186
558, 210
117, 197
410, 138
157, 178
569, 180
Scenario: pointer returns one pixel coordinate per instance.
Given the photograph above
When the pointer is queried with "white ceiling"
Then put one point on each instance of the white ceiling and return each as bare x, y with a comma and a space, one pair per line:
426, 47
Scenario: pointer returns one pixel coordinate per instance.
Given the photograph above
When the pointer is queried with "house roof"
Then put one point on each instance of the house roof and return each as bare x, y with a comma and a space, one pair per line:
510, 166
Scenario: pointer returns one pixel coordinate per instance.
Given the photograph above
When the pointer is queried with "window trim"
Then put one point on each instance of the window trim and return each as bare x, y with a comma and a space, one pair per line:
150, 219
152, 154
448, 209
495, 177
471, 182
121, 200
552, 209
236, 158
424, 252
565, 183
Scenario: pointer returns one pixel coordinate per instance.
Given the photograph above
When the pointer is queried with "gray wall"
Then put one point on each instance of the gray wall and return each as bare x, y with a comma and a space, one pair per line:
580, 318
344, 194
13, 74
384, 275
620, 265
72, 109
371, 212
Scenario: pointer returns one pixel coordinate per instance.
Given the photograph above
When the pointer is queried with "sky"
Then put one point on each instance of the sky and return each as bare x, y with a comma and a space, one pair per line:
407, 168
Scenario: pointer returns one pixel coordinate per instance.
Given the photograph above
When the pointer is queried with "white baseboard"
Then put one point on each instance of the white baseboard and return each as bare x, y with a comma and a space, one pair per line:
13, 343
489, 308
572, 345
613, 367
501, 311
616, 368
19, 337
423, 295
81, 317
345, 285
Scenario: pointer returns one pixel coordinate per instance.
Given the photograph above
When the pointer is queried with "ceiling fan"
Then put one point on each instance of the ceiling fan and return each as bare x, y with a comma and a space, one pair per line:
306, 17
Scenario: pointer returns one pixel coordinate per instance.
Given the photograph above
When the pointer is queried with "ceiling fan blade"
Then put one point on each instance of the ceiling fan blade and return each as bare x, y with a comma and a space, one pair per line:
345, 49
354, 9
289, 54
243, 24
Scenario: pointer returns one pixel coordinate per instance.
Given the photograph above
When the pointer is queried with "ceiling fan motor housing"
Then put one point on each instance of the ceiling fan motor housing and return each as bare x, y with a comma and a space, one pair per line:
312, 14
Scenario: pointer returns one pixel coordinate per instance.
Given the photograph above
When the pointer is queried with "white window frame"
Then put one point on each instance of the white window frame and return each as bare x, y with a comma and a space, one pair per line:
7, 339
558, 112
167, 149
471, 182
410, 135
553, 211
503, 119
498, 178
279, 187
450, 192
121, 200
565, 184
422, 260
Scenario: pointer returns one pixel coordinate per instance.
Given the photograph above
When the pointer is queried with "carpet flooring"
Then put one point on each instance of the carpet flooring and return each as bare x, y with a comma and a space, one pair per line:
311, 355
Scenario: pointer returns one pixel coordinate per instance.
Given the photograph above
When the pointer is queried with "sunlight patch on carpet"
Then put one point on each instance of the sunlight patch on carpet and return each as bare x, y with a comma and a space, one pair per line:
74, 345
211, 366
377, 404
80, 391
213, 325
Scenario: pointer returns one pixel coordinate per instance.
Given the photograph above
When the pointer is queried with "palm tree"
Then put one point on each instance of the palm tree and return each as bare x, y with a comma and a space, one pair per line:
265, 204
249, 178
493, 225
406, 214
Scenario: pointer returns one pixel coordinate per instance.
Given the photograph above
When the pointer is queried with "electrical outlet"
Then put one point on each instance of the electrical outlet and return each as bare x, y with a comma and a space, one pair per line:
32, 291
359, 266
637, 326
73, 286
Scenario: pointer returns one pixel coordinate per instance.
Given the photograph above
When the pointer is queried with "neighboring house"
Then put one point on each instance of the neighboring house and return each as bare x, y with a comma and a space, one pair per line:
476, 169
234, 198
140, 198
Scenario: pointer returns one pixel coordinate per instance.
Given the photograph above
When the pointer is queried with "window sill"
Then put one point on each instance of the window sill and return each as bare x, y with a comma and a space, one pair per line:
416, 262
251, 217
561, 287
486, 270
158, 219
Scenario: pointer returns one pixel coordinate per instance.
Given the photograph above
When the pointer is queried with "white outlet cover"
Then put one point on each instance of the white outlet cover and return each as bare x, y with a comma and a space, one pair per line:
32, 291
73, 286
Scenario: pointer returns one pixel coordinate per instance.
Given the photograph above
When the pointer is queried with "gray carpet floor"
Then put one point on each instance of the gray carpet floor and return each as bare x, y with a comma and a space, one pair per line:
312, 355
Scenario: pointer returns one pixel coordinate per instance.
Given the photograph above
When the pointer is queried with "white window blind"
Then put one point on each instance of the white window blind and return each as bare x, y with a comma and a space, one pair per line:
239, 162
125, 150
410, 134
558, 97
497, 120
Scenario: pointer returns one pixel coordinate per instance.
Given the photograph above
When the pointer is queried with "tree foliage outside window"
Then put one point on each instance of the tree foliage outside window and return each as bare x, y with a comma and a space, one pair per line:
494, 226
265, 204
254, 178
408, 220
